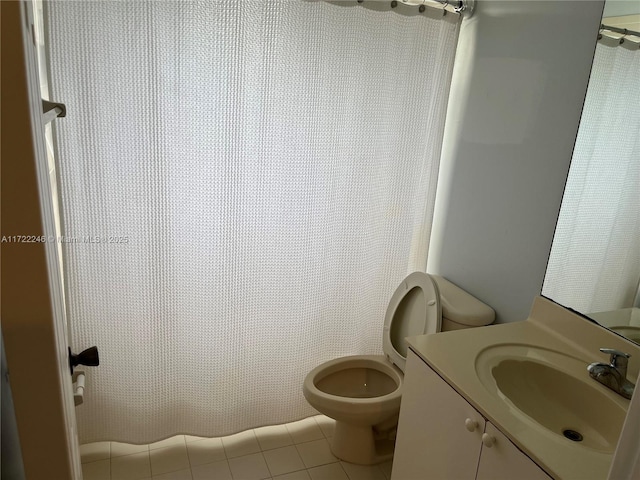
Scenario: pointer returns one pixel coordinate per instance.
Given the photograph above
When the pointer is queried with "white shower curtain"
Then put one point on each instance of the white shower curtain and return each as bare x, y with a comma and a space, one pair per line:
595, 258
248, 182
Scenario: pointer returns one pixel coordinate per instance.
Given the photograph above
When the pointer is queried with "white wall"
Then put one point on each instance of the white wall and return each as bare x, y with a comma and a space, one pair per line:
518, 86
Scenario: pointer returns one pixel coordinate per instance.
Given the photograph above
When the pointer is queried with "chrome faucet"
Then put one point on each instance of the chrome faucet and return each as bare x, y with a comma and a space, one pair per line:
613, 375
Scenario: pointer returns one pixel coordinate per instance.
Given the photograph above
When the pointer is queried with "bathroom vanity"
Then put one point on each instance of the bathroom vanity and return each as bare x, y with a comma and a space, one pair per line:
511, 401
447, 438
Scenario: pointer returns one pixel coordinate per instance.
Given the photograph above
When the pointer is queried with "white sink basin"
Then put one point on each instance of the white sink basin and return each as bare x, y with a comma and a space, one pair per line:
553, 391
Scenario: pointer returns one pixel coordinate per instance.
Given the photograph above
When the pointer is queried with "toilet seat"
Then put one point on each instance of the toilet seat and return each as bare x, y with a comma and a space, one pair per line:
414, 309
333, 402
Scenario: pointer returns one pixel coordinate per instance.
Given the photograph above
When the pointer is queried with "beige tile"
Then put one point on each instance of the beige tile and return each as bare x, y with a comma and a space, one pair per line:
179, 475
120, 449
326, 424
92, 452
316, 453
191, 438
169, 459
300, 475
177, 440
283, 460
386, 468
362, 472
100, 470
305, 430
131, 467
212, 471
204, 451
240, 444
274, 436
332, 471
249, 467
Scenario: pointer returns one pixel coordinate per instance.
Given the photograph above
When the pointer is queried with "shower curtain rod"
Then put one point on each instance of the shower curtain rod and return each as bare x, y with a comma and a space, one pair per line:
461, 7
624, 31
458, 6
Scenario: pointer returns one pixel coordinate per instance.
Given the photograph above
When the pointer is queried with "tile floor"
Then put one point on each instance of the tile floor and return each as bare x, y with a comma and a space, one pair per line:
295, 451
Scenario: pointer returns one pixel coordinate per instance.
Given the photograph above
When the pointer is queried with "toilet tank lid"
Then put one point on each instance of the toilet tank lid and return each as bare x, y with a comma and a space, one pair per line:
462, 307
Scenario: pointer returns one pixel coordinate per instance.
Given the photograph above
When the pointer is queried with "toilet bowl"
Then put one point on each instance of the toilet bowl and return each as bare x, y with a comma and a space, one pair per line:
363, 392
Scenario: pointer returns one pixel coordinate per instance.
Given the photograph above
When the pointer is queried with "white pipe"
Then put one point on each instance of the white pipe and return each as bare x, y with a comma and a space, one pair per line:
51, 114
78, 394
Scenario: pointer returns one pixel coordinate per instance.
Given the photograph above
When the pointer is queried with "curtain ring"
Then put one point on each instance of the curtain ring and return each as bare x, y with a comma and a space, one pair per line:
444, 7
623, 35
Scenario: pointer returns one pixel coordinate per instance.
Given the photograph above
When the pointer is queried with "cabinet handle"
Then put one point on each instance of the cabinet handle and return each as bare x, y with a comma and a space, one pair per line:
488, 440
470, 425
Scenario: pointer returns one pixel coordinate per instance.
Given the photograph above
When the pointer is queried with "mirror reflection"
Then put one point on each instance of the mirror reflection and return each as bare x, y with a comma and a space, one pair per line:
594, 265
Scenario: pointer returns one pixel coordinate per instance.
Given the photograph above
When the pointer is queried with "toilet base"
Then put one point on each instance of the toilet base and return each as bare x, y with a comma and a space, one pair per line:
357, 444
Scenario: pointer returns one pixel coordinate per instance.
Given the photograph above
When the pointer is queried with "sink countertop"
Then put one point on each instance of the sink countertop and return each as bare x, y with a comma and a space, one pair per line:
549, 327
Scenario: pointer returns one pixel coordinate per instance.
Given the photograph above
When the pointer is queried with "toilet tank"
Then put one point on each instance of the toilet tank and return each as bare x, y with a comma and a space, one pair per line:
461, 309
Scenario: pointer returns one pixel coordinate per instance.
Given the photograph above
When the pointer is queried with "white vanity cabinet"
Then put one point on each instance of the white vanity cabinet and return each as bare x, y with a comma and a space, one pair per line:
442, 437
501, 460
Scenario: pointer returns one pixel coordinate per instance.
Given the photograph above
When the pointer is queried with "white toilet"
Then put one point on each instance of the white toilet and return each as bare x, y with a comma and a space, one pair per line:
362, 392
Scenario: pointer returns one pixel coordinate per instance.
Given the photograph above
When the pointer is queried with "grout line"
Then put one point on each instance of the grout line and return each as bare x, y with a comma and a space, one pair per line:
149, 460
316, 440
96, 461
127, 455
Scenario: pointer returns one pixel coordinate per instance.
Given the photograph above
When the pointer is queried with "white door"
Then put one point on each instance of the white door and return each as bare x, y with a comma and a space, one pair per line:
501, 460
33, 321
439, 433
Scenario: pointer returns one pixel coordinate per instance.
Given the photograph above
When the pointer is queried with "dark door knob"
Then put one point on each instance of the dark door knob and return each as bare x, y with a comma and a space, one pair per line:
88, 357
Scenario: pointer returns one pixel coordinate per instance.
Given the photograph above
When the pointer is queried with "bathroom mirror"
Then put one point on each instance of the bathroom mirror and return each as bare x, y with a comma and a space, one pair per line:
594, 265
